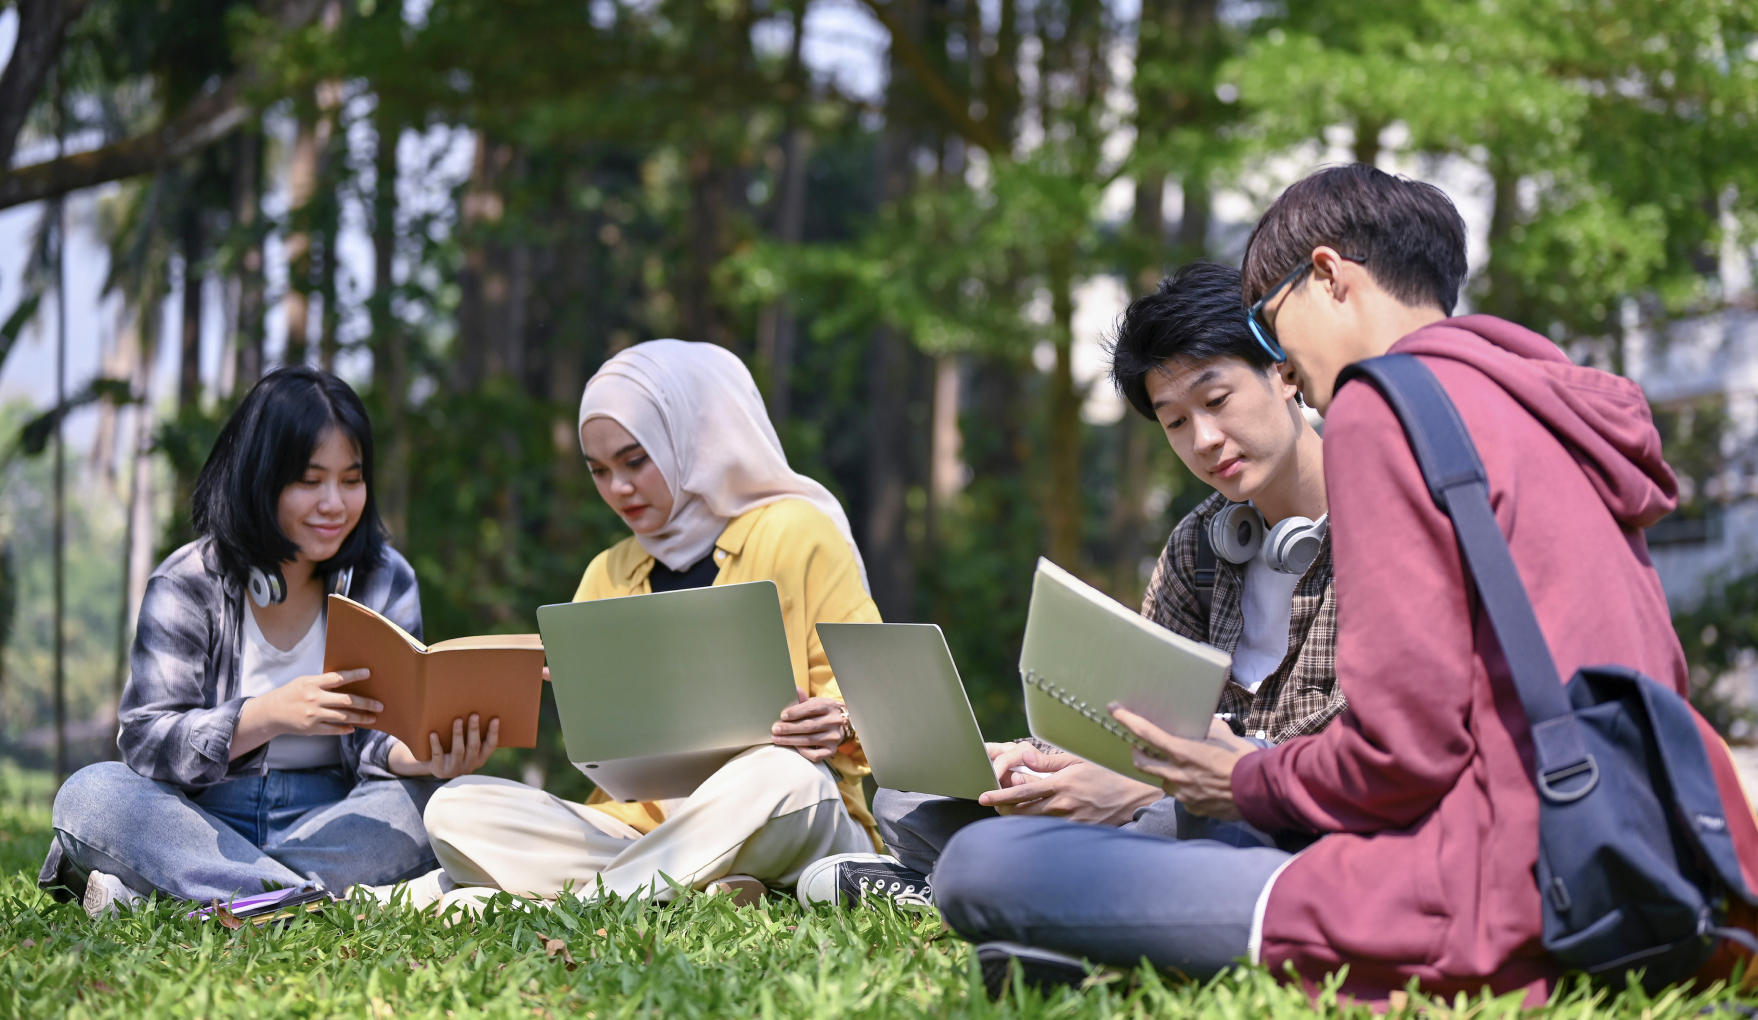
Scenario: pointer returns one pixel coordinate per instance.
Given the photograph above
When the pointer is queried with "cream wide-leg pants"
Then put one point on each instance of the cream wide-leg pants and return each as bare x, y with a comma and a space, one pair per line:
767, 813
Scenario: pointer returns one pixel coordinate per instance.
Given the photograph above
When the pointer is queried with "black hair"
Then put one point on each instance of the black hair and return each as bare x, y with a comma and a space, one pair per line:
1408, 232
265, 447
1194, 316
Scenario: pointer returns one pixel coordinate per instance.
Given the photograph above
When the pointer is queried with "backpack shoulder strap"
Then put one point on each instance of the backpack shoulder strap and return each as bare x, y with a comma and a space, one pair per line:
1205, 571
1456, 479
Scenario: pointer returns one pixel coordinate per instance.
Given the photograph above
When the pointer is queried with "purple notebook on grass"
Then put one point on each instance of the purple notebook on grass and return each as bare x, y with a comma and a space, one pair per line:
263, 903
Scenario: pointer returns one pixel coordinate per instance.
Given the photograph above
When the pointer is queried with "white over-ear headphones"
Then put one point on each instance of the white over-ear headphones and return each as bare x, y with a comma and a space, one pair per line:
1294, 543
266, 588
1237, 532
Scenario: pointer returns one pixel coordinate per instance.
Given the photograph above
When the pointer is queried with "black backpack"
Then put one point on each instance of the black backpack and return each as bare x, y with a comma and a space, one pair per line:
1635, 859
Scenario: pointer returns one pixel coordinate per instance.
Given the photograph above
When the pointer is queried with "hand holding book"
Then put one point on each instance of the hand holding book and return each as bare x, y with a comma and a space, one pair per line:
1198, 772
469, 751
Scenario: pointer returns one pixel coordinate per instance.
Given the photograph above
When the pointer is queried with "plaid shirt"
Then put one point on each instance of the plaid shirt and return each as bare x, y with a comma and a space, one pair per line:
182, 699
1301, 696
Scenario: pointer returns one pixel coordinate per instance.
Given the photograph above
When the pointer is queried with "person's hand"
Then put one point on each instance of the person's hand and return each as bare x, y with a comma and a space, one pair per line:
815, 727
470, 751
1071, 788
1198, 772
1005, 758
310, 706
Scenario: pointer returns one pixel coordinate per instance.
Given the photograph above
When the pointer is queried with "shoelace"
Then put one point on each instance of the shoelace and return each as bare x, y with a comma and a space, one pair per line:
899, 891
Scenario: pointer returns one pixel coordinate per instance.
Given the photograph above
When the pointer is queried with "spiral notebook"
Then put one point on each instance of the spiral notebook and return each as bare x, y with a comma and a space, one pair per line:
1084, 650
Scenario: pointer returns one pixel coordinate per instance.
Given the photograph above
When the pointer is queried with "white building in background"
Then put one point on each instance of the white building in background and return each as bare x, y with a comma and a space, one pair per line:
1711, 362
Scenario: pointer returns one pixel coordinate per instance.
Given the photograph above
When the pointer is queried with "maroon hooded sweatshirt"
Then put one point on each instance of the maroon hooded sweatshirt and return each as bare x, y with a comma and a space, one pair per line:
1423, 784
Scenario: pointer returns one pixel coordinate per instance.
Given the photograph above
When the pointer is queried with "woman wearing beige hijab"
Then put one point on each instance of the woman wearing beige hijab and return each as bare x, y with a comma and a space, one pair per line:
679, 444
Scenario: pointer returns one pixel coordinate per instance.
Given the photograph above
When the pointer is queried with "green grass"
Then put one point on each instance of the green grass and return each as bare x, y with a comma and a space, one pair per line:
697, 958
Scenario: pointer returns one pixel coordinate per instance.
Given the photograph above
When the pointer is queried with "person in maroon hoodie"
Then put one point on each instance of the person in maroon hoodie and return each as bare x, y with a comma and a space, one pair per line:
1420, 789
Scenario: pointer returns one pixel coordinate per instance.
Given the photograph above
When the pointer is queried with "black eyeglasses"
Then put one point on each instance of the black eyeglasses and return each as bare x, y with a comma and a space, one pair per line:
1263, 330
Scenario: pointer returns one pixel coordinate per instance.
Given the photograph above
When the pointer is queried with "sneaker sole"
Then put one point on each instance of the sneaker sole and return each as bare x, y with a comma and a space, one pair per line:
1040, 970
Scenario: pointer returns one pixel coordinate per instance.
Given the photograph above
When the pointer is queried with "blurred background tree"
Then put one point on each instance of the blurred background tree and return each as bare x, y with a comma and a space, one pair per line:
529, 186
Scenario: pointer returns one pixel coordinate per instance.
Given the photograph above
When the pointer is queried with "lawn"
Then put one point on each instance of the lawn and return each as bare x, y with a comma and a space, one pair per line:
697, 958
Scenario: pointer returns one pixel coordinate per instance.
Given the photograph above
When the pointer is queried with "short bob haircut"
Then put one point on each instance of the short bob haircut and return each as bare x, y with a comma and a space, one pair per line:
264, 448
1195, 316
1408, 233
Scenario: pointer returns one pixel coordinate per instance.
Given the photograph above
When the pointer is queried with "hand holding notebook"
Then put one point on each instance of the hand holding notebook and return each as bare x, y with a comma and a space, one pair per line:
1198, 772
1084, 651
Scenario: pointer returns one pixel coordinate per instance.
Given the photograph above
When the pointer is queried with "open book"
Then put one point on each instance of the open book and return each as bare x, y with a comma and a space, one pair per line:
425, 687
1084, 650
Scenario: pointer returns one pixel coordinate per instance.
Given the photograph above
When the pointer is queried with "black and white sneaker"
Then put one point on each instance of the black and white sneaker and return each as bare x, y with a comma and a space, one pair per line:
1041, 969
846, 879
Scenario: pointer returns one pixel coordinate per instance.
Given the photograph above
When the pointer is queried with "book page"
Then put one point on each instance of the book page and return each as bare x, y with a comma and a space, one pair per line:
489, 641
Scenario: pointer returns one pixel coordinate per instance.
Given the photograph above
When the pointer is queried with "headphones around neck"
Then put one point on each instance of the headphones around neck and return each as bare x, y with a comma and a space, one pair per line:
1237, 533
266, 588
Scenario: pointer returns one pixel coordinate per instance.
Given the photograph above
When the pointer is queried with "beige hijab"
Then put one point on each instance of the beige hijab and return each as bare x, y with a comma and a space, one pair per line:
696, 411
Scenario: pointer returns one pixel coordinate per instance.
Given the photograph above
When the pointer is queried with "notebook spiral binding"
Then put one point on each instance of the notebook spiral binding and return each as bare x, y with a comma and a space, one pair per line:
1102, 719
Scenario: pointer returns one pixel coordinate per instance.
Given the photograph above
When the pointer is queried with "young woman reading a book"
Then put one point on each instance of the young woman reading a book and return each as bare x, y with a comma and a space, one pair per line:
244, 768
679, 443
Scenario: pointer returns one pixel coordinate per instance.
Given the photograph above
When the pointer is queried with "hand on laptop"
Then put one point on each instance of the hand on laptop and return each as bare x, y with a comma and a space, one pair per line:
1198, 772
470, 751
815, 727
1065, 786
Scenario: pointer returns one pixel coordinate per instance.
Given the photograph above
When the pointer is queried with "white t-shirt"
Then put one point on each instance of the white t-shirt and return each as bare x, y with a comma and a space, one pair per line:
265, 668
1267, 601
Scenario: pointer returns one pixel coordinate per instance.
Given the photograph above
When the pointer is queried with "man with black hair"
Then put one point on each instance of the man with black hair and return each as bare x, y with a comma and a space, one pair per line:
1419, 790
1185, 358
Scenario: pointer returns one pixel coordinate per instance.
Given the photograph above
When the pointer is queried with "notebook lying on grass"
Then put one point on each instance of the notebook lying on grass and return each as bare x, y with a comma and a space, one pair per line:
906, 702
425, 687
1084, 650
656, 692
275, 905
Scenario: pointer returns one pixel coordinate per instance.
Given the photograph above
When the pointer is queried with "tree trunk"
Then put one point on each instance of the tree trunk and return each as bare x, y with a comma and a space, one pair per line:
1367, 139
301, 185
246, 215
890, 571
946, 471
1128, 516
485, 283
42, 28
1502, 295
1149, 222
330, 266
390, 353
189, 361
1062, 508
889, 563
1192, 241
705, 233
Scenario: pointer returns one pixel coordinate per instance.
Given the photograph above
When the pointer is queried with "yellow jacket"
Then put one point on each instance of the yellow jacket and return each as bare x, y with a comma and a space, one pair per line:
794, 544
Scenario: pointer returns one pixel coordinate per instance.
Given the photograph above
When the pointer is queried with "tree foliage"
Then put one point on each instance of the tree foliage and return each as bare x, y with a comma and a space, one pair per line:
901, 270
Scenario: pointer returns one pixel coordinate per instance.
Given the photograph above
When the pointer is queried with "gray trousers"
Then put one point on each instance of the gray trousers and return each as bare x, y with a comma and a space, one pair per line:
250, 833
917, 826
1103, 893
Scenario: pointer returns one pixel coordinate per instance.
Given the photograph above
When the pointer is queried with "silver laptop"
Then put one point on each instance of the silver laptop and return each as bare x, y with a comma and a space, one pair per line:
656, 692
905, 700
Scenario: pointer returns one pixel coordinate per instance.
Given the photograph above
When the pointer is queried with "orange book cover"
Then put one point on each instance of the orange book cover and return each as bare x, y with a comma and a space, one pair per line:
425, 687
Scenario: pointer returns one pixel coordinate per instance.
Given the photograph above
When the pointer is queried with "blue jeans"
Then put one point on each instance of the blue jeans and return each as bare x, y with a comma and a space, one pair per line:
917, 826
250, 833
1106, 894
